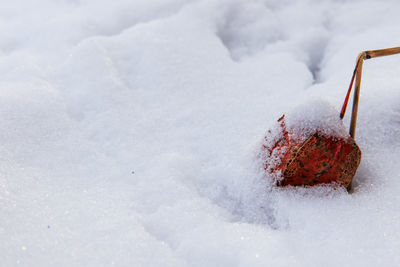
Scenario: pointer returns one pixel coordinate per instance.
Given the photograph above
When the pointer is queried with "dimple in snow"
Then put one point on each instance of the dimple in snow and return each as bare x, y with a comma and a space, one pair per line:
310, 146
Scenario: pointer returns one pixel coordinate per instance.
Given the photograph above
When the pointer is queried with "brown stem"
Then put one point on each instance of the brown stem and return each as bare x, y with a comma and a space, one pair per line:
356, 96
357, 76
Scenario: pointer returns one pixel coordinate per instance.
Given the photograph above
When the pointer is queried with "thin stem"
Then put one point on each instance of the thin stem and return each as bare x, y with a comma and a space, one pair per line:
356, 98
382, 52
357, 77
346, 100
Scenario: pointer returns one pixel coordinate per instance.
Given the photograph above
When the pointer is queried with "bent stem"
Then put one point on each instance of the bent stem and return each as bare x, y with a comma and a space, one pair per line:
357, 75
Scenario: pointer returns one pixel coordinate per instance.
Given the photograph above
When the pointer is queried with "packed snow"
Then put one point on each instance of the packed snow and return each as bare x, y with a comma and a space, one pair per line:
130, 132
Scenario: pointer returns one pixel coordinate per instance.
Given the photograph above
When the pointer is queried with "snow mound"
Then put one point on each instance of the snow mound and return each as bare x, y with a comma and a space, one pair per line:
315, 116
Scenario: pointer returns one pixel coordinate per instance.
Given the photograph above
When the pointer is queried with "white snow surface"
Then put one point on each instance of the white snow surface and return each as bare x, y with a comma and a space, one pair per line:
130, 132
314, 116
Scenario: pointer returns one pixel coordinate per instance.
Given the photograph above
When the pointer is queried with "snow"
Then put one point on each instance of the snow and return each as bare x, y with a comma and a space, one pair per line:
130, 132
314, 116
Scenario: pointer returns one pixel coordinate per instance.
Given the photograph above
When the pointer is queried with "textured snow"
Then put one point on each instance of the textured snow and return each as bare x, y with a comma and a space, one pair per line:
315, 116
130, 132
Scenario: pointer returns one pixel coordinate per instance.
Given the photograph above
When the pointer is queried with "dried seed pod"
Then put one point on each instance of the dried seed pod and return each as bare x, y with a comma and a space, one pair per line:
311, 160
